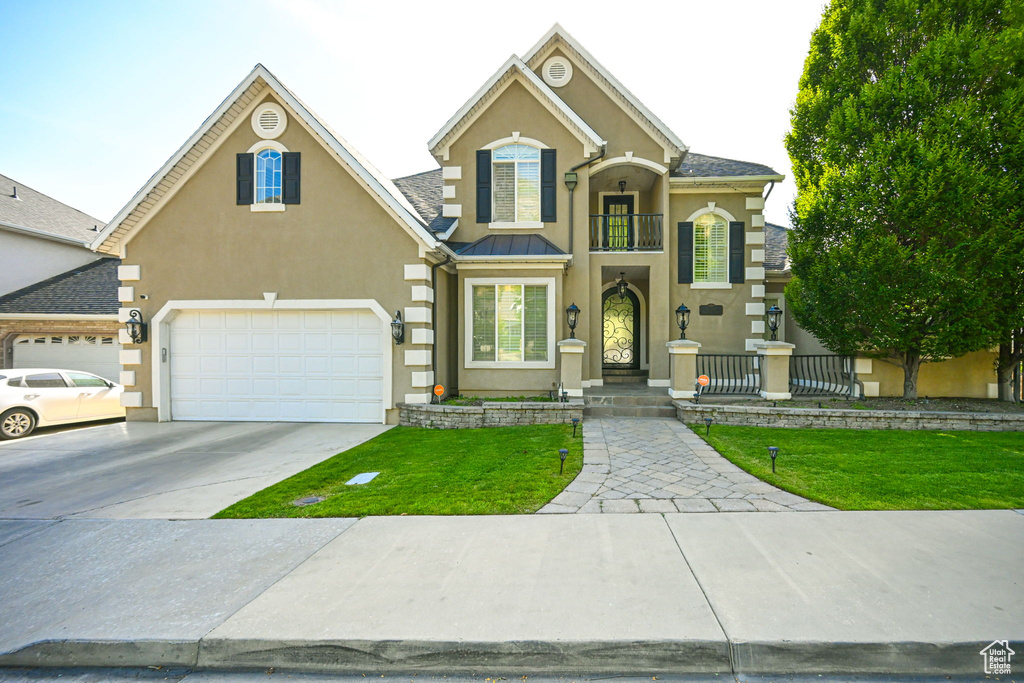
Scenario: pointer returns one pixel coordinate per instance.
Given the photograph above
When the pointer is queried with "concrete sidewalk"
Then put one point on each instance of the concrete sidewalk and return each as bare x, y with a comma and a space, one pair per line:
787, 592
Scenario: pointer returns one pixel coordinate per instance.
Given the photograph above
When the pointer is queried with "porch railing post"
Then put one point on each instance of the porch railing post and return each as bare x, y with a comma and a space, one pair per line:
775, 369
571, 352
682, 361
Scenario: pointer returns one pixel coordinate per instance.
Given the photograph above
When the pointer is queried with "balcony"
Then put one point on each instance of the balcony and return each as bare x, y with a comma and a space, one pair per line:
625, 232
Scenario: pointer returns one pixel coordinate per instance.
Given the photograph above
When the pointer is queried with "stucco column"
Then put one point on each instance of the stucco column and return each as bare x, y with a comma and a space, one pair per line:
593, 315
571, 351
682, 358
775, 369
659, 314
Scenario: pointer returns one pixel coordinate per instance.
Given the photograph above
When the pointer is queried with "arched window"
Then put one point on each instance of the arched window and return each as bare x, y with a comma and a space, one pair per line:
710, 248
516, 183
268, 177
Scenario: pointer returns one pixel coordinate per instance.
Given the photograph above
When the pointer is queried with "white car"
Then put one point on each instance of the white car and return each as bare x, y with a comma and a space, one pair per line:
40, 397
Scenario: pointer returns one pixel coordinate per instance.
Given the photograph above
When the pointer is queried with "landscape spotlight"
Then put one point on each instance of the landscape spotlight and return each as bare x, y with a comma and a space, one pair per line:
575, 421
774, 452
563, 453
707, 421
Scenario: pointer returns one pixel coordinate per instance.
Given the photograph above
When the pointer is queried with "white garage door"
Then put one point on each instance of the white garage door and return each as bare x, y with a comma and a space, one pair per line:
97, 354
288, 366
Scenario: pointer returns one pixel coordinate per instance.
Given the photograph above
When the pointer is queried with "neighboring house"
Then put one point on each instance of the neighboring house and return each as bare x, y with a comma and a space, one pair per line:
268, 258
58, 298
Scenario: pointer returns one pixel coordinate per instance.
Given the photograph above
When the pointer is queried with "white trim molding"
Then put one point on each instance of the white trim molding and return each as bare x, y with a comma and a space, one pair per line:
417, 271
467, 313
160, 337
417, 314
755, 203
451, 210
422, 293
451, 173
712, 207
755, 238
131, 399
422, 335
129, 273
629, 160
755, 273
756, 291
127, 378
755, 309
515, 139
126, 294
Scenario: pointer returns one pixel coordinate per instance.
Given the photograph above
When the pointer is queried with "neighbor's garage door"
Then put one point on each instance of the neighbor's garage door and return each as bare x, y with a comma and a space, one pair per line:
288, 366
86, 352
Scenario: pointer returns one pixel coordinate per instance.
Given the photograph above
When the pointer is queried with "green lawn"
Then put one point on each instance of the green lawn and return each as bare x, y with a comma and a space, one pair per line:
883, 469
503, 470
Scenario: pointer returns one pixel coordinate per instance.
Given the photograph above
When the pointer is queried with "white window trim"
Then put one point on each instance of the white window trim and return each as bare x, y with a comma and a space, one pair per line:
468, 361
522, 225
729, 218
516, 139
254, 150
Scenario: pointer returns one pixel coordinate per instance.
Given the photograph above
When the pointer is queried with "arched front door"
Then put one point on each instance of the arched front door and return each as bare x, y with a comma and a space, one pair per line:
621, 316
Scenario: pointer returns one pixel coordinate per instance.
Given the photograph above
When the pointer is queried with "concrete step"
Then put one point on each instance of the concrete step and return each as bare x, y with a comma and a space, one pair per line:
625, 379
628, 411
627, 400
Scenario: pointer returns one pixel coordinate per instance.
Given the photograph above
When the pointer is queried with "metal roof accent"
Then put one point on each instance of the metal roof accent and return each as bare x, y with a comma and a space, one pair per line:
86, 290
27, 211
512, 246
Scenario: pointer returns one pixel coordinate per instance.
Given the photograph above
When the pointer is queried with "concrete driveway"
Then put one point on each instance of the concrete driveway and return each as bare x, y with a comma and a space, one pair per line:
168, 470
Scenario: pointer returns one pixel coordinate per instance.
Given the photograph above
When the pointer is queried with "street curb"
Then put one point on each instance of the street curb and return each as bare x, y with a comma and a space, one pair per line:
104, 653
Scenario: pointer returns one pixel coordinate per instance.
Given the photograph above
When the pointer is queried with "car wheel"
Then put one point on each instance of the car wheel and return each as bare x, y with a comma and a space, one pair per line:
16, 423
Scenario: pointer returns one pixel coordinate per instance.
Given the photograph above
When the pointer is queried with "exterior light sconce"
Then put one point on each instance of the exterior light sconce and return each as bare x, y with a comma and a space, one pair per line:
575, 421
571, 178
622, 285
682, 319
708, 421
622, 187
572, 318
398, 328
136, 328
774, 452
563, 453
774, 318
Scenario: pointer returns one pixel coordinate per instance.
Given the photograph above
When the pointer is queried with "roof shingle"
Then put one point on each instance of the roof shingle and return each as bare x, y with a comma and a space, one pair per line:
423, 190
703, 166
86, 290
776, 239
35, 210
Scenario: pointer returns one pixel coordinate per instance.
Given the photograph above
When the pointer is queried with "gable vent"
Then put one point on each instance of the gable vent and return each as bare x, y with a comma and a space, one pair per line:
557, 71
269, 121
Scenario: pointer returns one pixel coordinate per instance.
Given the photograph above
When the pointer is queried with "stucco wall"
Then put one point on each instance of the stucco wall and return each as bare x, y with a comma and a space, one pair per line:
27, 259
339, 243
970, 376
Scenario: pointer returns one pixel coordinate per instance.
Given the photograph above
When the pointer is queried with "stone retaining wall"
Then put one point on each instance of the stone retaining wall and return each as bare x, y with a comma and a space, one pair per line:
690, 413
491, 414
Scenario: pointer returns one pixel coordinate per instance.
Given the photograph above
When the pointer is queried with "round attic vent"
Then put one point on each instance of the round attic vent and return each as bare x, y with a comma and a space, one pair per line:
269, 121
557, 71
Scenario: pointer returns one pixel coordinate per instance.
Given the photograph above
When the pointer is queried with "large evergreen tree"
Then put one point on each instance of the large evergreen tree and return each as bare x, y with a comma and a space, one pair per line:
907, 145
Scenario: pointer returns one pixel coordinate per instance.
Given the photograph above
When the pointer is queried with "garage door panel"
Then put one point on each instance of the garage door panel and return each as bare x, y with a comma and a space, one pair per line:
278, 365
96, 354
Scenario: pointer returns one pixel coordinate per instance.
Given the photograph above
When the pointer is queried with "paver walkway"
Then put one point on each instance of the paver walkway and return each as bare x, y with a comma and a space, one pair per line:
659, 465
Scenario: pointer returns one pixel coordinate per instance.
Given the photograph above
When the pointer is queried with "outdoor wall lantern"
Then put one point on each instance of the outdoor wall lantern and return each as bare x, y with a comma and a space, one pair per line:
572, 318
570, 181
622, 187
563, 453
774, 452
398, 328
136, 328
682, 319
774, 317
622, 285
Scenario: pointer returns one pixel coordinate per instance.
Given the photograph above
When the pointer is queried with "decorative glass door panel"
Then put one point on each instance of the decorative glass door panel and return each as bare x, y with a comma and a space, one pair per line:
618, 222
620, 330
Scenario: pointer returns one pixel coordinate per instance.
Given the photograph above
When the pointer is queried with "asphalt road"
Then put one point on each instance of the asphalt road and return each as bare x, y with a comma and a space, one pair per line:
170, 470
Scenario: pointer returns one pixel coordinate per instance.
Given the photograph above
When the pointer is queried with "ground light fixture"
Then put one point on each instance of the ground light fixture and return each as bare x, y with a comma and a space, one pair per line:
398, 328
622, 285
136, 328
572, 318
682, 320
774, 317
774, 452
575, 421
563, 453
708, 421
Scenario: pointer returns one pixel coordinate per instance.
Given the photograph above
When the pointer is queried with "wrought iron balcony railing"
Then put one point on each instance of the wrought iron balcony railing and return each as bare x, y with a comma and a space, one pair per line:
626, 232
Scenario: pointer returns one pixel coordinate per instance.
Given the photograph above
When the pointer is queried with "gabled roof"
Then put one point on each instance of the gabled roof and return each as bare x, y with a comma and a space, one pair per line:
251, 87
33, 213
703, 166
86, 290
484, 96
511, 246
423, 190
653, 122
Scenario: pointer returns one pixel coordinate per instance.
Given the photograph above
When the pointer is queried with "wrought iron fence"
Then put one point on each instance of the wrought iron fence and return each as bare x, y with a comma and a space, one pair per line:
730, 374
626, 232
822, 375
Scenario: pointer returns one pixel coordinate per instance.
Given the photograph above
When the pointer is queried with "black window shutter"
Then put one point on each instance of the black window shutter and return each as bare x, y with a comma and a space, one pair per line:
290, 177
244, 190
483, 186
548, 213
685, 242
737, 243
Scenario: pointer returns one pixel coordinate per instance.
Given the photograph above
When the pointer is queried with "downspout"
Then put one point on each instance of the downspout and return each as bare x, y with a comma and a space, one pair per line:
433, 313
572, 180
770, 188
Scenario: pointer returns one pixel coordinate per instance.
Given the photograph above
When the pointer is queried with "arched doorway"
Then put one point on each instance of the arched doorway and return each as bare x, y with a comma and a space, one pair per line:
621, 330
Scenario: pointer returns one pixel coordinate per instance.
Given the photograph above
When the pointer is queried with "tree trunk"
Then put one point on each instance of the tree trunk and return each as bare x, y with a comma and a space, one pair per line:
1010, 353
911, 363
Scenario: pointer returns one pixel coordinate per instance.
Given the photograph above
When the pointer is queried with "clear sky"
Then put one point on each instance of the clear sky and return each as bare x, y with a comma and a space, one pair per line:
95, 96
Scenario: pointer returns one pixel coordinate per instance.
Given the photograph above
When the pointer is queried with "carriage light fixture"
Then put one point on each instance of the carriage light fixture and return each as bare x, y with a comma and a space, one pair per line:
136, 328
572, 318
622, 187
682, 319
398, 328
622, 285
774, 317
